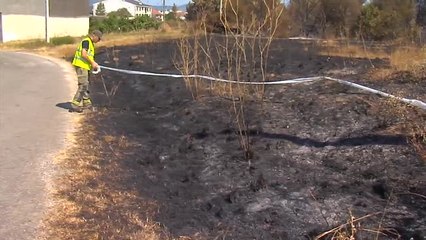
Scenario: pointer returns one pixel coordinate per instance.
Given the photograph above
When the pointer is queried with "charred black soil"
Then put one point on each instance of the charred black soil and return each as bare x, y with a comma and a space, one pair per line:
320, 151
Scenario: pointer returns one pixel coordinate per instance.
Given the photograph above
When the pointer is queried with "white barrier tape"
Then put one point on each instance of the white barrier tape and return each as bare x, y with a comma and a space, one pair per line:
292, 81
412, 102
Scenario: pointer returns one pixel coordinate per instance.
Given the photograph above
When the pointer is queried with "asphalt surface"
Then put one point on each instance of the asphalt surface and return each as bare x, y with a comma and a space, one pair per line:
32, 130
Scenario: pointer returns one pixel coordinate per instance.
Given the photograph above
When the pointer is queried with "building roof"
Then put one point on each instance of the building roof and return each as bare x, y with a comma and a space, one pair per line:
156, 12
136, 2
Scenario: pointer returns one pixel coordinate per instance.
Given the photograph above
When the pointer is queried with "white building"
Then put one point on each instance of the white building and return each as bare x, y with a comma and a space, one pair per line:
28, 19
135, 8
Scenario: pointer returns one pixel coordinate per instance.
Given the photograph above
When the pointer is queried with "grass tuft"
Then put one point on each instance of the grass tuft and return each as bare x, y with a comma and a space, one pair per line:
57, 41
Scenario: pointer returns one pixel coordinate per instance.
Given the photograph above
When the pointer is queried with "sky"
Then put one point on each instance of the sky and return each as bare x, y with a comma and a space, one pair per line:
168, 2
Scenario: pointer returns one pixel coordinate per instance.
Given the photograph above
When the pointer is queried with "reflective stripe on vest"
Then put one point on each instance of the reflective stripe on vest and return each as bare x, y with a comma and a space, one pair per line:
78, 60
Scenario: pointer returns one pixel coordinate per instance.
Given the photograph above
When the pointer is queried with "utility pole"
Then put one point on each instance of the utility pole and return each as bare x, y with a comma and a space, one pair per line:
46, 20
164, 10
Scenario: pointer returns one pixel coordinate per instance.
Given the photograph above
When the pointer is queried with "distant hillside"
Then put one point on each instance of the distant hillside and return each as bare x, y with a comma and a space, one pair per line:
183, 7
168, 7
160, 7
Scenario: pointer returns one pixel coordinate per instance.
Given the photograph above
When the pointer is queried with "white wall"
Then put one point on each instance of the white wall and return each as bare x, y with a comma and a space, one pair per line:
75, 27
24, 27
140, 10
16, 27
114, 5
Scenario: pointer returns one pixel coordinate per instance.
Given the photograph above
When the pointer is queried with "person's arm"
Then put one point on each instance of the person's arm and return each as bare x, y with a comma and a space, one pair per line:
85, 56
85, 47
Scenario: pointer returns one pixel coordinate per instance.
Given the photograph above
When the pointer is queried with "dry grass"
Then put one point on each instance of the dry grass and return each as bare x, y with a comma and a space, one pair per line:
92, 198
90, 203
353, 228
401, 58
410, 59
109, 40
334, 48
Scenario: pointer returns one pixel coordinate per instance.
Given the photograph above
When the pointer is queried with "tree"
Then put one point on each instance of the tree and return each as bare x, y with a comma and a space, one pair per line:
252, 15
100, 9
421, 13
170, 16
388, 19
237, 15
174, 8
372, 23
404, 11
198, 9
204, 11
305, 16
340, 15
246, 10
122, 13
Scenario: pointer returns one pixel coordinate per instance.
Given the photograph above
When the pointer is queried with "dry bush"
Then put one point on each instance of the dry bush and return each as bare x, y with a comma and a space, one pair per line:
408, 62
410, 122
239, 55
165, 27
414, 124
418, 139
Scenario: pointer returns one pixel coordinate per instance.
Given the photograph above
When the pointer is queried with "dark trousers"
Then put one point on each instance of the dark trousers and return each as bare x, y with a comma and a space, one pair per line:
82, 95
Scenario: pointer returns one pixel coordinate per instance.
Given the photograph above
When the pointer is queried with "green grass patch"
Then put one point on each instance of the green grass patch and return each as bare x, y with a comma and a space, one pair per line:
56, 41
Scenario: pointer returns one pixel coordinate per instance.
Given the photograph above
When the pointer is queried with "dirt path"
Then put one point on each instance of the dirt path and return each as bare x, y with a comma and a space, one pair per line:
32, 129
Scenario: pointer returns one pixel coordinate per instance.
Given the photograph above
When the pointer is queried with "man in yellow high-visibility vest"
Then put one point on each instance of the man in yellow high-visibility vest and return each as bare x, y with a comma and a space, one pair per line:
84, 61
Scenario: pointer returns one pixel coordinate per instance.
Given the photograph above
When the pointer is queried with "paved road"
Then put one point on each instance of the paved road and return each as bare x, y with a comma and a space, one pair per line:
32, 129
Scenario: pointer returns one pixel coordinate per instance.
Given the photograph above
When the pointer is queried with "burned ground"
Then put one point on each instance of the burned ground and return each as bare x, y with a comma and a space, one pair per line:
321, 152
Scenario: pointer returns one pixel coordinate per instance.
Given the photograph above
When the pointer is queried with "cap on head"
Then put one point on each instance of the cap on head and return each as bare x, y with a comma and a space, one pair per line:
97, 33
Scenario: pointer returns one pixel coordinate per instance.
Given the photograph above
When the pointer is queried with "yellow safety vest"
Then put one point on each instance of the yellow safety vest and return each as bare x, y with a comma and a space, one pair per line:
78, 60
